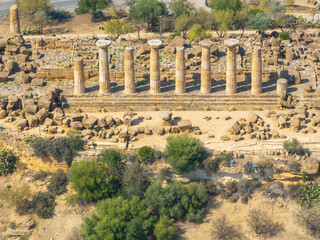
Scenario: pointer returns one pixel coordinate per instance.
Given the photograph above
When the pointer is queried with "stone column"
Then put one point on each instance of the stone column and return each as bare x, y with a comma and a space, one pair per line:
180, 71
155, 66
104, 78
282, 86
79, 86
205, 67
256, 76
231, 76
14, 19
129, 79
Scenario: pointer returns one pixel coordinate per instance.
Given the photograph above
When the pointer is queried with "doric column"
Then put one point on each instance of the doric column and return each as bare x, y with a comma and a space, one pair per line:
205, 67
256, 76
231, 76
104, 78
155, 66
282, 86
14, 19
79, 86
129, 79
180, 71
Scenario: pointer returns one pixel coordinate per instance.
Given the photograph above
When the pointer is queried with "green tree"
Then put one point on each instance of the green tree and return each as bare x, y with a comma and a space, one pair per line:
116, 28
184, 153
179, 7
113, 161
118, 219
225, 4
7, 162
260, 21
92, 182
40, 19
183, 23
164, 230
30, 7
224, 20
276, 11
146, 154
148, 11
91, 6
44, 204
197, 31
205, 19
242, 17
293, 146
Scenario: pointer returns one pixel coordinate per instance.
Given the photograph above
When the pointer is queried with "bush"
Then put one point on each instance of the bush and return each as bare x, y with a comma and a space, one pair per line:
294, 166
18, 198
41, 175
229, 189
262, 224
174, 35
44, 204
212, 189
211, 165
184, 153
119, 218
113, 162
226, 159
7, 162
310, 219
284, 36
197, 31
92, 182
249, 167
293, 146
290, 3
246, 188
224, 230
295, 191
176, 200
59, 14
146, 154
164, 230
58, 183
311, 194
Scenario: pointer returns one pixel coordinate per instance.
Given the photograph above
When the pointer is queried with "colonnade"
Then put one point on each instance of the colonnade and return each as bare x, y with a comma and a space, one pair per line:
180, 83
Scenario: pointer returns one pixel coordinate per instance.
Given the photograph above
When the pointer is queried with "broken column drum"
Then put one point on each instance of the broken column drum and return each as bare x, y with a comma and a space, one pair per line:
14, 19
256, 77
180, 70
231, 75
129, 76
282, 86
104, 78
205, 67
79, 86
155, 66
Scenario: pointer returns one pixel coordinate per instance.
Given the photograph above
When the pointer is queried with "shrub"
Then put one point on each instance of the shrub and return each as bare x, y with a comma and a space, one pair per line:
295, 191
174, 35
44, 204
212, 189
59, 14
224, 230
293, 146
289, 3
246, 188
284, 36
119, 218
18, 198
164, 230
211, 165
92, 182
113, 162
229, 189
249, 167
226, 159
197, 31
176, 200
310, 218
262, 224
184, 153
40, 146
58, 183
311, 194
41, 175
7, 162
294, 166
146, 154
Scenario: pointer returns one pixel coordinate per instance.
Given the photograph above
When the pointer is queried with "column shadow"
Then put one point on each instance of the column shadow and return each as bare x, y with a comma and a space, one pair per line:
167, 86
193, 85
218, 86
144, 84
269, 86
92, 89
244, 85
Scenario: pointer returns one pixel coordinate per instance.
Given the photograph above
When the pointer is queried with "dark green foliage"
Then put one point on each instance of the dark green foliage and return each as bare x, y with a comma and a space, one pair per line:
294, 166
164, 230
113, 160
58, 183
184, 153
91, 6
260, 21
284, 36
147, 11
7, 162
229, 189
176, 200
304, 177
225, 158
225, 5
44, 204
293, 146
146, 154
212, 189
92, 182
135, 181
119, 219
311, 194
179, 7
59, 14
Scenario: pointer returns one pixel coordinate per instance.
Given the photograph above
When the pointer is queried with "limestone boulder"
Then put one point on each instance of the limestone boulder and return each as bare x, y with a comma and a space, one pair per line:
24, 78
31, 109
76, 125
4, 76
102, 123
42, 103
22, 58
109, 120
49, 122
21, 124
42, 114
177, 41
185, 125
235, 128
253, 117
14, 103
32, 121
157, 130
90, 122
166, 116
37, 82
3, 114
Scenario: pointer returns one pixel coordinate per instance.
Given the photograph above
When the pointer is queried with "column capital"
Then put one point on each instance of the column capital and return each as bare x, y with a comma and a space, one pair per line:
231, 43
103, 43
129, 48
206, 43
180, 48
155, 43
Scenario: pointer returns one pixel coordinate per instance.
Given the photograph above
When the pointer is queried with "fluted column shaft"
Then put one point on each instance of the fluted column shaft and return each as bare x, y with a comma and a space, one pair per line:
129, 76
155, 66
231, 75
256, 76
104, 77
180, 70
14, 19
79, 86
205, 70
